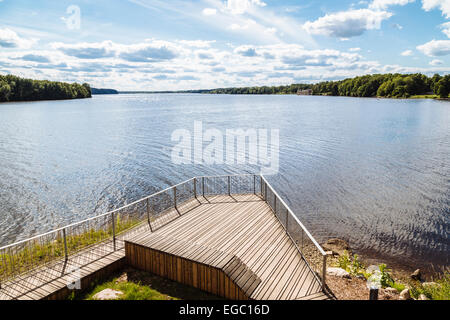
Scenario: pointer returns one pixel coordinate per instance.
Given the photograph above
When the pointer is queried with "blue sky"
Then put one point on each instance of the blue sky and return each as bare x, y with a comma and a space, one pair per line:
170, 45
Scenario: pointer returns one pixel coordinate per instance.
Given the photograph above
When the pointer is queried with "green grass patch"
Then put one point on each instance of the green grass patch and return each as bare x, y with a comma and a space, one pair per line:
131, 291
352, 265
141, 285
424, 96
440, 291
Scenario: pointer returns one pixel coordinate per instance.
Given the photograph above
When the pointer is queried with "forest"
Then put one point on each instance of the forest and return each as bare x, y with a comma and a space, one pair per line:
13, 88
104, 91
376, 85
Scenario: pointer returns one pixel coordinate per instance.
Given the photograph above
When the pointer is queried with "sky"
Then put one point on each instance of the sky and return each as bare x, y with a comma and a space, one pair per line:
201, 44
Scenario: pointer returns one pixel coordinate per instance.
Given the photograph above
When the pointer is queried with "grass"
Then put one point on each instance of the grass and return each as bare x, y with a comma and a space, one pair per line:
352, 265
440, 291
141, 285
424, 96
131, 291
356, 268
36, 254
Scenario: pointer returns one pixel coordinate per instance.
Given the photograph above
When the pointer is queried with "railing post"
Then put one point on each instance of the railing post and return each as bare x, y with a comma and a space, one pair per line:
229, 185
113, 230
254, 184
287, 221
261, 184
66, 254
175, 200
203, 186
175, 197
324, 272
275, 205
195, 188
303, 234
148, 216
265, 193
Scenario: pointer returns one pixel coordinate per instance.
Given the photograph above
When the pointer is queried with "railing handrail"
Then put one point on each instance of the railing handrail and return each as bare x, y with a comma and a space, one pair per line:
318, 246
165, 190
95, 217
115, 210
229, 175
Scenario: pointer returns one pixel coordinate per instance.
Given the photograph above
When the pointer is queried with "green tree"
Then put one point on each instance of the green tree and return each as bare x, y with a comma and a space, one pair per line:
443, 87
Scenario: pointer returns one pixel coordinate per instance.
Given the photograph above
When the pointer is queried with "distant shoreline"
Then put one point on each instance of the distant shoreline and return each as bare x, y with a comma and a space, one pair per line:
388, 85
417, 97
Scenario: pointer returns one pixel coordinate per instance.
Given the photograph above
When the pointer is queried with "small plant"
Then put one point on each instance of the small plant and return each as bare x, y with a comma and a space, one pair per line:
344, 261
398, 286
356, 267
351, 264
386, 278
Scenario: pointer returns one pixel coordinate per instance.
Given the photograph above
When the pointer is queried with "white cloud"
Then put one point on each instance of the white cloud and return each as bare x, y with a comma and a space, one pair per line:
346, 24
246, 51
209, 11
354, 49
436, 62
384, 4
271, 30
87, 50
148, 51
249, 23
407, 53
197, 43
35, 58
148, 65
435, 48
446, 28
443, 5
10, 39
242, 6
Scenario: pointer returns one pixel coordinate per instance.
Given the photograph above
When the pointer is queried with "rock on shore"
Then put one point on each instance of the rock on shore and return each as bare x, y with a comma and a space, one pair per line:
108, 294
337, 246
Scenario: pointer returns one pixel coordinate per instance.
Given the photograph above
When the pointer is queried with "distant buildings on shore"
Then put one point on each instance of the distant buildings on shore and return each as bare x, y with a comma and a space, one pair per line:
307, 92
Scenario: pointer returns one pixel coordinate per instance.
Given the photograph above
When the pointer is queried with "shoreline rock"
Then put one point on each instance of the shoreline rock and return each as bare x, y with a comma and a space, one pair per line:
108, 294
337, 246
338, 272
405, 295
416, 275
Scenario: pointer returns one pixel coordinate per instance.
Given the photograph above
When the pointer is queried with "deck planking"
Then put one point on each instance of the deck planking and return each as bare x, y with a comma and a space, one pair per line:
236, 233
245, 227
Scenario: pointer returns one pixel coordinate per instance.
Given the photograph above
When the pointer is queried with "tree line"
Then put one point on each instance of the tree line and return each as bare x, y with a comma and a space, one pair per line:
104, 91
13, 88
290, 89
376, 85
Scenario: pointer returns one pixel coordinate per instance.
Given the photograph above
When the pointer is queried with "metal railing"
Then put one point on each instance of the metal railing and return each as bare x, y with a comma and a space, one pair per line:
104, 234
309, 248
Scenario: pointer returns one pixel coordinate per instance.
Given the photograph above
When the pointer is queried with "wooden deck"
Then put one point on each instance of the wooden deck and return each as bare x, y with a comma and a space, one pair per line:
237, 235
217, 231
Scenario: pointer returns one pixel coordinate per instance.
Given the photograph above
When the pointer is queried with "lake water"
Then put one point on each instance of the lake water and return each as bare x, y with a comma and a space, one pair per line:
374, 172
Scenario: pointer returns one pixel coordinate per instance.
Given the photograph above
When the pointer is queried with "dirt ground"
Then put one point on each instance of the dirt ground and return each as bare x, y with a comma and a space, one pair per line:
355, 289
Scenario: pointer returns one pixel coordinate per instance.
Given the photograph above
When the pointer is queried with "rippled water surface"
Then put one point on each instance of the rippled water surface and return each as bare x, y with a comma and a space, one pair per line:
375, 172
